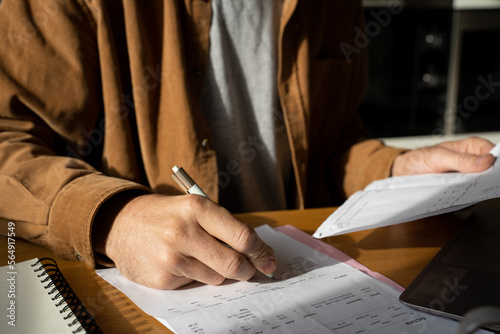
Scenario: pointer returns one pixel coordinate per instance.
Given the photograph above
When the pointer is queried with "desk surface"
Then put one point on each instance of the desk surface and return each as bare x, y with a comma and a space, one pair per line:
399, 252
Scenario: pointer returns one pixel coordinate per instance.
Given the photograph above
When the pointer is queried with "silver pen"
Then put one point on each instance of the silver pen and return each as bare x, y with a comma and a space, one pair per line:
186, 182
189, 186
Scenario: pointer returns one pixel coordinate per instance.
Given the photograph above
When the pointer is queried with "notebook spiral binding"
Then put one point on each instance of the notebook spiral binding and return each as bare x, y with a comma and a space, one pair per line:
80, 320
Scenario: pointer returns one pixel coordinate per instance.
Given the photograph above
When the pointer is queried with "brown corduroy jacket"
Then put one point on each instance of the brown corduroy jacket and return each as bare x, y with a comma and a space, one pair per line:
102, 97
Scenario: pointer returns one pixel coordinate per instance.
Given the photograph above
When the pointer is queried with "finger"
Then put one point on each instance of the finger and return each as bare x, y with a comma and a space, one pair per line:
242, 238
174, 271
248, 242
156, 274
472, 145
193, 269
219, 258
449, 161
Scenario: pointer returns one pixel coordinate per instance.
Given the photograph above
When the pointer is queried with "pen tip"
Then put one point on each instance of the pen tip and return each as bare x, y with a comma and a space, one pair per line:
271, 276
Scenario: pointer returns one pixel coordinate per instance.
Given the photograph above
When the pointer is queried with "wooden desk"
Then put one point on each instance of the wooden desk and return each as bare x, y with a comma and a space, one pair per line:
399, 252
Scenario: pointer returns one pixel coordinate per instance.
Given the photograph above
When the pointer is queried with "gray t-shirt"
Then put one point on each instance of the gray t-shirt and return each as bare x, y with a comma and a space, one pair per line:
240, 101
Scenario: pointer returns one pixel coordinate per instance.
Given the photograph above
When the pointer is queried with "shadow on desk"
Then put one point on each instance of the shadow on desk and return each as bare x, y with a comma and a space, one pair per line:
428, 232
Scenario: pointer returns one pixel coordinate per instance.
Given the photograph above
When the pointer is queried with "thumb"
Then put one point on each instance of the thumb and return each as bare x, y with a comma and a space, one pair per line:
463, 162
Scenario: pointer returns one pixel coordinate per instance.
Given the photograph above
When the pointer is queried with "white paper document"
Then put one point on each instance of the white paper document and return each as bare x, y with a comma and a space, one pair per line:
312, 293
405, 198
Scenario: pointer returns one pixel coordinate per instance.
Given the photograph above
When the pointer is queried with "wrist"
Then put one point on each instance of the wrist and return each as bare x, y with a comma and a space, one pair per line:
106, 217
396, 169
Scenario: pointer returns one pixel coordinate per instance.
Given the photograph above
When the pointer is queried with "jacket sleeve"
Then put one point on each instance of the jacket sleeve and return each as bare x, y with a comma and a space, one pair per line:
50, 99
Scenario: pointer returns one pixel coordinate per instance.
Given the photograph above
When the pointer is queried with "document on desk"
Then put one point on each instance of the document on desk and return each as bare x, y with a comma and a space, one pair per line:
313, 294
405, 198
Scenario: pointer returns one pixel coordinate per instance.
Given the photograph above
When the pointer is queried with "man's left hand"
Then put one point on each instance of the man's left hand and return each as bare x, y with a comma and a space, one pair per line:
467, 156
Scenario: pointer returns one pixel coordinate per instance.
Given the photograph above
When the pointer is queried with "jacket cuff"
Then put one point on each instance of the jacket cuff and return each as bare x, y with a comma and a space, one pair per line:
371, 160
73, 211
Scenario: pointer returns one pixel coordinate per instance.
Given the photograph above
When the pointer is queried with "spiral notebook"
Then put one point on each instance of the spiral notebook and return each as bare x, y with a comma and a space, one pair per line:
37, 299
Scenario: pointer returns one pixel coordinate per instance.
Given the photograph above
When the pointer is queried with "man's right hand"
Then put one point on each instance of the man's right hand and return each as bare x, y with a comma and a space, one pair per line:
165, 242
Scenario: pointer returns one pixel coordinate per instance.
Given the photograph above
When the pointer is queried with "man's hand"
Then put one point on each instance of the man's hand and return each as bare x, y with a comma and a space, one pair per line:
165, 242
468, 156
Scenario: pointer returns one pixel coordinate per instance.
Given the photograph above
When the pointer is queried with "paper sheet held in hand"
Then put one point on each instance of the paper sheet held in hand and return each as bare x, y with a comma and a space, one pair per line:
405, 198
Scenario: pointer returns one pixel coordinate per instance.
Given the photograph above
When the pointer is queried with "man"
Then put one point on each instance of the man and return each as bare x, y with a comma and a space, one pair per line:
100, 99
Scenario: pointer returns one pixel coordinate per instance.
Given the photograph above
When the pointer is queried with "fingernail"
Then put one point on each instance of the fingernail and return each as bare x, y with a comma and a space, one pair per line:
480, 159
270, 266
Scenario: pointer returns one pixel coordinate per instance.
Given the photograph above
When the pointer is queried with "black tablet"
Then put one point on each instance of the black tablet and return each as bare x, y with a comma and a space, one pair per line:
465, 274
